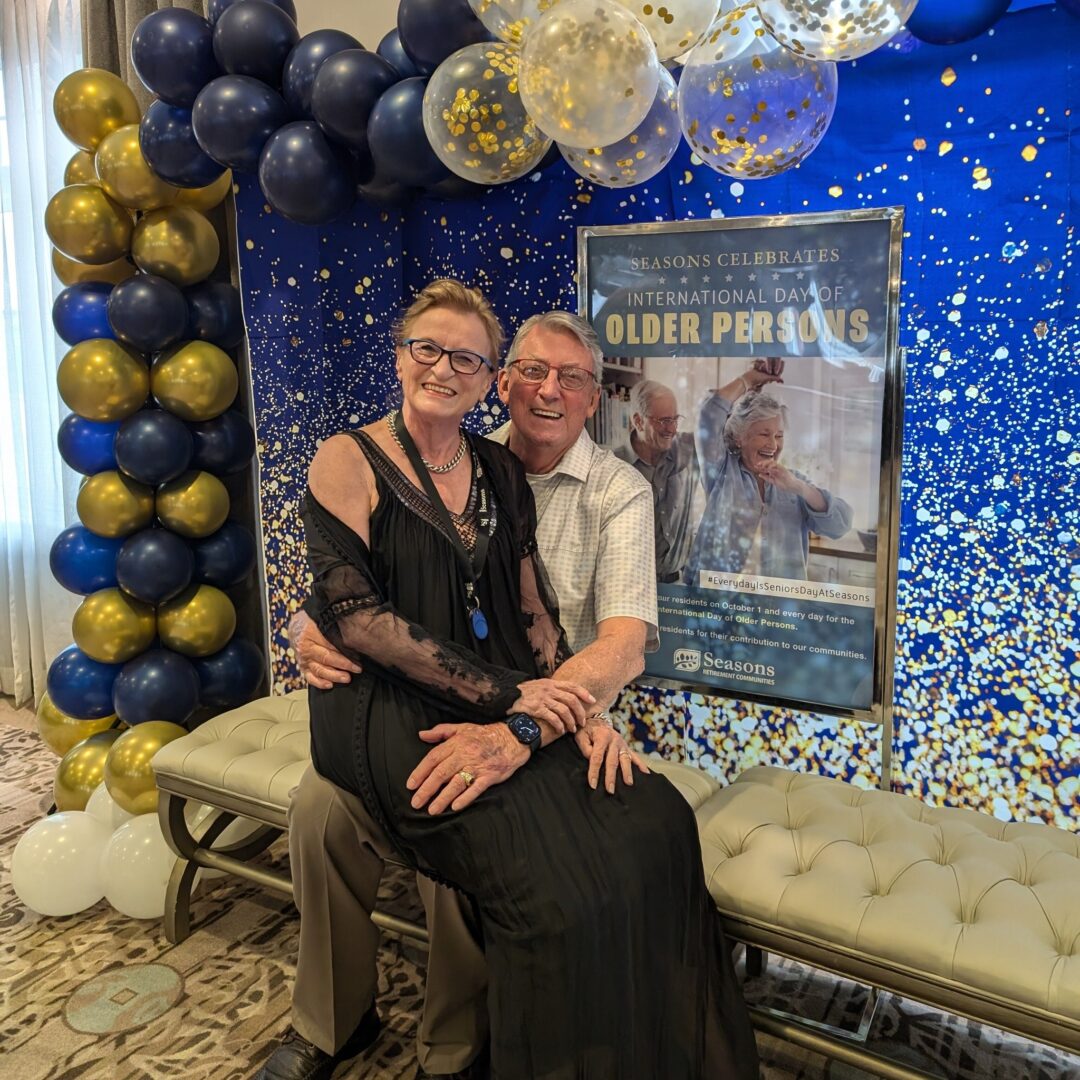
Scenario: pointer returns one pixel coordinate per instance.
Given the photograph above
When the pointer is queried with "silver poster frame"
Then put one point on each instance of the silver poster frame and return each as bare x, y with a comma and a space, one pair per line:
880, 713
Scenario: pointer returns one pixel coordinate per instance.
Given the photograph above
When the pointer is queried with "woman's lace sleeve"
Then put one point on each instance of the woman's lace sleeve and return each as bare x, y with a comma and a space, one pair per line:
351, 610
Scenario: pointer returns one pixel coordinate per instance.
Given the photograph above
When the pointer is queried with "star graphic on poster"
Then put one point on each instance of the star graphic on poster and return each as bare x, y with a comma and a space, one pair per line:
683, 280
728, 278
661, 281
776, 276
706, 279
752, 277
800, 275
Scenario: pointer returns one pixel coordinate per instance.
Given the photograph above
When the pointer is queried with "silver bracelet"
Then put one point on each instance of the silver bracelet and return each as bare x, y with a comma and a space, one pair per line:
602, 717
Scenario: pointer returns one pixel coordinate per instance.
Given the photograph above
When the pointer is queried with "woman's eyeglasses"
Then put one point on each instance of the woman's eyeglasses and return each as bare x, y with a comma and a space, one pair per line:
462, 361
570, 378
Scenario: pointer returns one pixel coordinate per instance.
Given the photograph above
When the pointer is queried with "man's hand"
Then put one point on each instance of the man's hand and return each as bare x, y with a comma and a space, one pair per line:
488, 753
320, 663
606, 750
556, 702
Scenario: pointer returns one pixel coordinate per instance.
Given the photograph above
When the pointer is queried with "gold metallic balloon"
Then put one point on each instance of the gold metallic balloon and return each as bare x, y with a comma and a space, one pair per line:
86, 225
125, 175
102, 380
61, 732
81, 769
80, 169
112, 627
129, 776
195, 380
206, 198
195, 504
112, 504
198, 622
71, 272
91, 103
176, 243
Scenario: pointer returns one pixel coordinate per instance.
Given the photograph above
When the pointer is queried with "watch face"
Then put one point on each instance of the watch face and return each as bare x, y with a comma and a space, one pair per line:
525, 729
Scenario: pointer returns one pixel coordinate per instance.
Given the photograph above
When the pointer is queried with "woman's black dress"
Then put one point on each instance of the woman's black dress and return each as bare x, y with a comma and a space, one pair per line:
605, 956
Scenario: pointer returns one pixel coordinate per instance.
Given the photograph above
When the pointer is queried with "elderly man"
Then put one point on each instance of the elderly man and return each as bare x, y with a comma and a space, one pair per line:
668, 460
594, 532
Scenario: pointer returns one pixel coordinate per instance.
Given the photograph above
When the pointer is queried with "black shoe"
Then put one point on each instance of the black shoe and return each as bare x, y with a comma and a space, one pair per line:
297, 1059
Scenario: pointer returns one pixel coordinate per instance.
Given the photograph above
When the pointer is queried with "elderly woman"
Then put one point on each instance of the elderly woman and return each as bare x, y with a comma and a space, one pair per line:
600, 937
759, 514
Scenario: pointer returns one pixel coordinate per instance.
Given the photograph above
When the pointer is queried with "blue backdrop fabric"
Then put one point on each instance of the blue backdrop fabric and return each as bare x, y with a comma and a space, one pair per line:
980, 143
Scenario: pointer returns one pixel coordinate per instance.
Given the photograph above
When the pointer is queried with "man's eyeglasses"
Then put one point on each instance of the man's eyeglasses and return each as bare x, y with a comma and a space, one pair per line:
570, 378
462, 361
667, 421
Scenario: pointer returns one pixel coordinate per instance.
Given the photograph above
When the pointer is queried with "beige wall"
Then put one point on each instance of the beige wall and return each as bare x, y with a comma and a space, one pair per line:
366, 20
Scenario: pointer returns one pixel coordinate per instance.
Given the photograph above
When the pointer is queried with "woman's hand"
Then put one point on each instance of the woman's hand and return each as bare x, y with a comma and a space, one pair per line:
321, 665
606, 749
786, 480
764, 371
561, 704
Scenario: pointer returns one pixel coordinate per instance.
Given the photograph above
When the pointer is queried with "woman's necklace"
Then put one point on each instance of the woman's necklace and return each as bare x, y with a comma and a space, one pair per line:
453, 463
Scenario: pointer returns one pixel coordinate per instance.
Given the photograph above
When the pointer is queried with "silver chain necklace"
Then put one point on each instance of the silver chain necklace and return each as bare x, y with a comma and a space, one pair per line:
453, 463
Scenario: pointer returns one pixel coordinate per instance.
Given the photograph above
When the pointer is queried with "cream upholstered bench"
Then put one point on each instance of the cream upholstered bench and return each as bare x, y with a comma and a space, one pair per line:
244, 764
949, 907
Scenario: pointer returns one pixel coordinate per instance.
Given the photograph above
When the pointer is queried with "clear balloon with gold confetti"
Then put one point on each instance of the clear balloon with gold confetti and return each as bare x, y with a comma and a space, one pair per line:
474, 117
834, 29
510, 20
748, 107
675, 26
643, 153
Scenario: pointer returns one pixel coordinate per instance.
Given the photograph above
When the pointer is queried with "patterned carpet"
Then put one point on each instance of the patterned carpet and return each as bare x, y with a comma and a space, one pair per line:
99, 996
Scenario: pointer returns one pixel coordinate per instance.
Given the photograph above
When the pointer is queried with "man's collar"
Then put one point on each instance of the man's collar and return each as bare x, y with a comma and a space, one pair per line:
575, 462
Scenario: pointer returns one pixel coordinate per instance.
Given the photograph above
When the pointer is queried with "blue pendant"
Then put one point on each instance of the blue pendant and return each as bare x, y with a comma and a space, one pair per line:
479, 623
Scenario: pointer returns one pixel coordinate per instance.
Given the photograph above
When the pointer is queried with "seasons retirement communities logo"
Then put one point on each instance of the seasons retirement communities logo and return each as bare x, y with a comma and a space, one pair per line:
687, 660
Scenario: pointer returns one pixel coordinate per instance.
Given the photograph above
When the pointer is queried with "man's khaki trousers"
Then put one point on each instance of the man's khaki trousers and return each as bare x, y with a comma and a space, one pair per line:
337, 854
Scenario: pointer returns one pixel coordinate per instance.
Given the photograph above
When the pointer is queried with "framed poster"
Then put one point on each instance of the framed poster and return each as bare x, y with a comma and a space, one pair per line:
752, 376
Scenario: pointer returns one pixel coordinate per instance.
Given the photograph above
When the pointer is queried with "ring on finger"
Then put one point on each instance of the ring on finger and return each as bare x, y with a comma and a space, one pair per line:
624, 753
467, 777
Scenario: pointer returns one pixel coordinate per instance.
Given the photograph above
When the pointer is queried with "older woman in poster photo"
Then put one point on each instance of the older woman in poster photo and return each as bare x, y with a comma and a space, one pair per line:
759, 514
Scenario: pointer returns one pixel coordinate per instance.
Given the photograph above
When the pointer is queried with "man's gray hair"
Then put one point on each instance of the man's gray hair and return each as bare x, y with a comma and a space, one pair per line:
644, 393
566, 323
749, 409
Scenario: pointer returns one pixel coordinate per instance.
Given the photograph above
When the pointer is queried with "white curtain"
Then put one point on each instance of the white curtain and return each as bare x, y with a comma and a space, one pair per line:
40, 42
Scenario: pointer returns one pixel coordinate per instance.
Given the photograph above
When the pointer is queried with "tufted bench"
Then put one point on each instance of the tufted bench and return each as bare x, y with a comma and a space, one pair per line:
949, 907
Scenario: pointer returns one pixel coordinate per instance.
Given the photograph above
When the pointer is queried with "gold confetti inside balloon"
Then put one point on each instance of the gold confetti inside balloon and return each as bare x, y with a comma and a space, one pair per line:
71, 272
60, 732
510, 19
91, 103
176, 243
112, 627
474, 118
643, 153
834, 29
195, 380
589, 72
195, 504
128, 774
125, 175
80, 169
675, 26
749, 107
206, 198
101, 379
198, 622
81, 769
86, 225
112, 504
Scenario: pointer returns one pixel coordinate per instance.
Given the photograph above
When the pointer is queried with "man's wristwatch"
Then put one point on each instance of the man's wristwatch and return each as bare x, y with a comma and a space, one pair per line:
525, 729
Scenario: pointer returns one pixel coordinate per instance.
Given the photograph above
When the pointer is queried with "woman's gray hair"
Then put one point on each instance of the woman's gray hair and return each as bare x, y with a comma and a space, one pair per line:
749, 409
567, 323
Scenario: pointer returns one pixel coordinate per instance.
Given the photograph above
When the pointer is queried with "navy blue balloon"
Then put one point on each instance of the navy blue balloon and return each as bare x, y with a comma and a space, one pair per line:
346, 90
223, 445
1071, 6
172, 51
215, 314
215, 8
948, 22
226, 557
78, 313
255, 38
386, 194
154, 565
454, 188
397, 139
391, 51
83, 562
148, 313
304, 63
234, 116
159, 684
81, 687
232, 676
153, 447
87, 446
168, 143
304, 177
430, 30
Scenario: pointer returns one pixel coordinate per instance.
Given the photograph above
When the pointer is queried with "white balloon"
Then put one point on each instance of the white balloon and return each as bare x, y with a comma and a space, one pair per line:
675, 27
106, 809
135, 868
54, 867
834, 29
